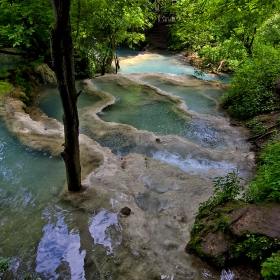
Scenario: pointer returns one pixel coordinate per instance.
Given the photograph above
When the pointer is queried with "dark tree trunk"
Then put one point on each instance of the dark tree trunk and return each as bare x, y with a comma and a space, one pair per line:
63, 62
249, 43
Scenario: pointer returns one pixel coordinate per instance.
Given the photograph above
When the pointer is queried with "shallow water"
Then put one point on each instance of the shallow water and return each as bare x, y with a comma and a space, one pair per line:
137, 107
50, 102
202, 99
163, 63
48, 238
37, 231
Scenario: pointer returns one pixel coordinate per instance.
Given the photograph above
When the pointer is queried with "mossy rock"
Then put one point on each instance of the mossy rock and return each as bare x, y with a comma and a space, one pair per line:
46, 74
235, 232
5, 87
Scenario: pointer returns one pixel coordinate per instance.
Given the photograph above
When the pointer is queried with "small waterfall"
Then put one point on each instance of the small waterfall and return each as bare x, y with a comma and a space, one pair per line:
227, 275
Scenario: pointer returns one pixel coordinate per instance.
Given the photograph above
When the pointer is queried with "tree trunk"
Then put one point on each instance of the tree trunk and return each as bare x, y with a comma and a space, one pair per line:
63, 62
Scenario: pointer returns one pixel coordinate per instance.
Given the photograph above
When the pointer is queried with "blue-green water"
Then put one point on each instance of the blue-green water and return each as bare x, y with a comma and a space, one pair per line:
50, 102
30, 183
137, 107
37, 231
201, 99
165, 63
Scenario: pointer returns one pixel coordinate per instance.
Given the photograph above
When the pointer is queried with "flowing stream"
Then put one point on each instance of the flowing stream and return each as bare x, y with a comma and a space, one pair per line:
154, 98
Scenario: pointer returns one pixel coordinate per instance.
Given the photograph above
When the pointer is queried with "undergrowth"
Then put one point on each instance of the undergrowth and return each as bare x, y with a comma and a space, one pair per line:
230, 193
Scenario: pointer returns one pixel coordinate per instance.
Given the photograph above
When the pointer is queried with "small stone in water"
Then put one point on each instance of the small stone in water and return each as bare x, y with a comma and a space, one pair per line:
125, 211
158, 140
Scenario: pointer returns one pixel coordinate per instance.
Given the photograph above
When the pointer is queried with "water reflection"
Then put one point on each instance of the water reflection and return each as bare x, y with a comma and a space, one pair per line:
29, 181
105, 230
58, 253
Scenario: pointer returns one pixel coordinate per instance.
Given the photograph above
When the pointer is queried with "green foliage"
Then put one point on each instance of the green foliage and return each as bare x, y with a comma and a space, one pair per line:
250, 91
97, 32
4, 265
4, 74
201, 22
270, 31
226, 56
26, 25
21, 81
95, 25
265, 185
256, 247
271, 267
85, 67
226, 189
37, 62
256, 126
221, 224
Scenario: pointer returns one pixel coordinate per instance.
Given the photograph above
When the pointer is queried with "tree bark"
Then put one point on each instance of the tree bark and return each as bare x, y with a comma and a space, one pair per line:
63, 62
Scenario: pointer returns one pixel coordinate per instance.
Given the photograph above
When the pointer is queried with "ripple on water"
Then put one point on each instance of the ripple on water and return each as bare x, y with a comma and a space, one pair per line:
192, 164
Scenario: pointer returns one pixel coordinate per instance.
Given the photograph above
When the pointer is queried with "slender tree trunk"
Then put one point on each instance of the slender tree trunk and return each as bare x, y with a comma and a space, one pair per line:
63, 62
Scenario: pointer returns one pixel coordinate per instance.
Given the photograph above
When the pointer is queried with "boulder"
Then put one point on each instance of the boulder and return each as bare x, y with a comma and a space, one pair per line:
256, 219
221, 234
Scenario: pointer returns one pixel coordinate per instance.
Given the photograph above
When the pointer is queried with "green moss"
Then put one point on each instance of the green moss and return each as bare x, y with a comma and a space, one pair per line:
5, 87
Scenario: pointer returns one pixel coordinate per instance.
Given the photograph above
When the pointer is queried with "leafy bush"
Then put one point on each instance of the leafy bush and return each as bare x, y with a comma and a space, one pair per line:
21, 81
266, 183
250, 91
256, 126
226, 189
256, 247
231, 52
271, 267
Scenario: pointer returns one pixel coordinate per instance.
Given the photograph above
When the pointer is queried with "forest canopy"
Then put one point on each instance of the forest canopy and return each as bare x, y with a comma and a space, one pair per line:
237, 36
97, 27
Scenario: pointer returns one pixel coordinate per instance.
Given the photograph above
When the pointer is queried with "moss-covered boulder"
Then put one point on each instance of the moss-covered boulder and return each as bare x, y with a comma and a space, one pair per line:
5, 88
236, 232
